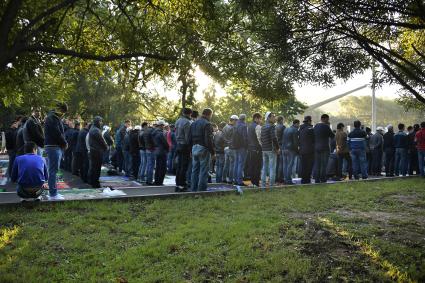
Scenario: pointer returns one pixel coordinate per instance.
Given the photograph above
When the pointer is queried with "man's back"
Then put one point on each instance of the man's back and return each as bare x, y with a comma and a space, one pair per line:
401, 140
29, 170
322, 134
357, 139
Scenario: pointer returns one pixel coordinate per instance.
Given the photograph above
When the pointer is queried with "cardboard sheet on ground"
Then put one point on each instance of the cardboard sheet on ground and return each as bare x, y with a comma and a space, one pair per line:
3, 170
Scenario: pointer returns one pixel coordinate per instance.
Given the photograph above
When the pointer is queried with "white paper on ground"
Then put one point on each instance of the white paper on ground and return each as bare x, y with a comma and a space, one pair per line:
113, 193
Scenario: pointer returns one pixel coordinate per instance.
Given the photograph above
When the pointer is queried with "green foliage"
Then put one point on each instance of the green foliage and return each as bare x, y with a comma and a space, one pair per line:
262, 236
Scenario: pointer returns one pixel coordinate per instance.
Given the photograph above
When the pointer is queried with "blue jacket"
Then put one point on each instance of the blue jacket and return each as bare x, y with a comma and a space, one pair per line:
29, 170
401, 140
322, 134
290, 139
357, 139
240, 136
119, 137
54, 134
201, 133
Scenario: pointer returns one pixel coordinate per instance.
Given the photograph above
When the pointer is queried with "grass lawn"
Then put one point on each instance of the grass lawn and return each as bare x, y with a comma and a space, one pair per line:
361, 231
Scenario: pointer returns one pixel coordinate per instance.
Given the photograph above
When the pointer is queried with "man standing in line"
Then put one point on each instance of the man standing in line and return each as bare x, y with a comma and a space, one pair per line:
357, 143
33, 131
11, 145
73, 145
254, 150
107, 136
401, 144
240, 144
135, 151
219, 145
81, 156
143, 159
420, 145
290, 145
201, 137
97, 146
229, 152
150, 153
389, 151
280, 129
306, 138
270, 150
119, 143
322, 134
376, 144
161, 151
342, 151
183, 149
413, 152
55, 144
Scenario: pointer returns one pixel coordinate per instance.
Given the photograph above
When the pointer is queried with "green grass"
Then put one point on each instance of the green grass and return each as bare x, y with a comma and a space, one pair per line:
360, 231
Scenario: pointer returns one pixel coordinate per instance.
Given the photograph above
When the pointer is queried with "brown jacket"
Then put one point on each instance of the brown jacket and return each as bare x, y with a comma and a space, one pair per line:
341, 142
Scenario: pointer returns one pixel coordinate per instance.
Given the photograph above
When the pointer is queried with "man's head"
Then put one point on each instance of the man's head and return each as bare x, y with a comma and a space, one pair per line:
307, 120
233, 119
357, 124
270, 117
127, 123
194, 115
416, 127
280, 119
187, 112
242, 117
410, 129
207, 113
160, 124
423, 125
98, 122
215, 127
61, 108
380, 130
144, 125
296, 123
324, 118
36, 112
368, 130
340, 126
30, 147
77, 125
401, 127
257, 118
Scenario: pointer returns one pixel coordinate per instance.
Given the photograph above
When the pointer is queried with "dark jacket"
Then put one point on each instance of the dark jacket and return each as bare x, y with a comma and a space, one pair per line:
134, 142
268, 138
74, 140
142, 140
54, 134
108, 139
240, 136
10, 136
401, 140
357, 139
119, 137
306, 139
201, 132
20, 141
81, 141
412, 143
96, 140
228, 134
33, 131
219, 142
389, 141
160, 142
376, 142
322, 134
280, 129
148, 138
290, 139
253, 142
126, 142
183, 130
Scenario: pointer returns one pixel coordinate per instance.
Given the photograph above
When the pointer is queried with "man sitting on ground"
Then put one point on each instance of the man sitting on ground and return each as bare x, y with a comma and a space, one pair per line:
30, 172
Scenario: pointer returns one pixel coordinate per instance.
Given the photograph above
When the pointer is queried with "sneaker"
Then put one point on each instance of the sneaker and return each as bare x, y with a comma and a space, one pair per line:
56, 197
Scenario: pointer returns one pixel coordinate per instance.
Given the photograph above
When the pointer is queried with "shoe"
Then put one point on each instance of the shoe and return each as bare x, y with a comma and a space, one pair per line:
56, 197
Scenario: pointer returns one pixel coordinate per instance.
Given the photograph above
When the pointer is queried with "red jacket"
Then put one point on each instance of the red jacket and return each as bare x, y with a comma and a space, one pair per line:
420, 139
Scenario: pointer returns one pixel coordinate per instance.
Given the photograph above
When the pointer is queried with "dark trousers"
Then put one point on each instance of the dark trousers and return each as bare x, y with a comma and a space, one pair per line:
306, 167
389, 161
68, 160
341, 157
95, 165
161, 167
12, 156
120, 159
376, 161
83, 165
183, 159
135, 164
29, 192
413, 162
279, 168
255, 163
76, 160
321, 159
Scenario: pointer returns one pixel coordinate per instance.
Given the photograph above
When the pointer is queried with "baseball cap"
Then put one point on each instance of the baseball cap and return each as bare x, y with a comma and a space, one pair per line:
160, 123
380, 129
234, 117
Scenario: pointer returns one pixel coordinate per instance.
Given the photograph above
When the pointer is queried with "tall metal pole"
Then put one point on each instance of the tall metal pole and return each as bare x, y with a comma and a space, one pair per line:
373, 99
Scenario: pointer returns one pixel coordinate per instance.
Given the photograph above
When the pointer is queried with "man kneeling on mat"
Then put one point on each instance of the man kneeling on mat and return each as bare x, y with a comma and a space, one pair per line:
30, 172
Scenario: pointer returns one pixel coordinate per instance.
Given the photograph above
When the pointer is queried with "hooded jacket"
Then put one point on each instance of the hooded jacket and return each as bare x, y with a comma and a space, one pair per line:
54, 134
33, 132
306, 139
96, 141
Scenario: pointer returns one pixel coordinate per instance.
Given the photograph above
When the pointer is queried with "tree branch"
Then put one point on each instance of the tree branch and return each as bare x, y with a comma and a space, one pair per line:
7, 20
95, 57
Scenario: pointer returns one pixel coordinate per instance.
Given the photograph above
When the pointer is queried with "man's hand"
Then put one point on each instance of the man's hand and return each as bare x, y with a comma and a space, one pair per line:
45, 186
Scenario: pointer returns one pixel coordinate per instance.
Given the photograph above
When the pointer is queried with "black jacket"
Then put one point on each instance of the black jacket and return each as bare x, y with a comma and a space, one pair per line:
134, 142
306, 138
108, 139
268, 138
96, 140
20, 141
148, 138
201, 132
54, 134
81, 141
290, 139
253, 143
322, 136
10, 136
389, 141
219, 142
33, 132
159, 140
280, 129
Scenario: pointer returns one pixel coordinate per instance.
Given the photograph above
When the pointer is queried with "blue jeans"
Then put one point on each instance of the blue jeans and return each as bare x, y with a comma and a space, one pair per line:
143, 165
321, 159
288, 164
229, 164
360, 163
269, 168
150, 164
170, 161
127, 163
219, 166
421, 162
239, 165
280, 174
200, 167
54, 156
400, 165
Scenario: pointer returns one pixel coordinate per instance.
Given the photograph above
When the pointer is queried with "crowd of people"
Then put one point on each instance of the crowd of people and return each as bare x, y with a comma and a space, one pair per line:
263, 150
